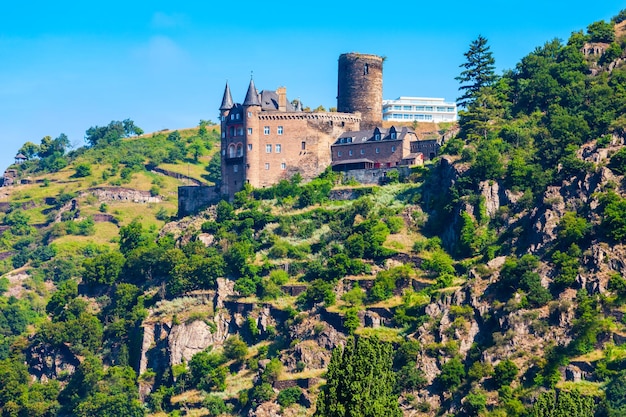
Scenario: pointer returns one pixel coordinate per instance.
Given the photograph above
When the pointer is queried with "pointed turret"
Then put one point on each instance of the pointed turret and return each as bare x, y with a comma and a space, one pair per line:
252, 97
299, 105
227, 100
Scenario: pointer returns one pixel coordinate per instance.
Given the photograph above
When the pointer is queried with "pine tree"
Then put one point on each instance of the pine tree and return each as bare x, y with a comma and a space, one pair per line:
360, 382
478, 71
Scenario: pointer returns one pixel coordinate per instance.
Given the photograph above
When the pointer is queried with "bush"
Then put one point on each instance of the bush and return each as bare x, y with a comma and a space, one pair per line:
289, 396
262, 393
215, 405
452, 373
235, 348
505, 372
82, 170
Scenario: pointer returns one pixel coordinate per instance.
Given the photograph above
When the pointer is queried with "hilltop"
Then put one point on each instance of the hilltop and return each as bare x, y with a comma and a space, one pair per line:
489, 282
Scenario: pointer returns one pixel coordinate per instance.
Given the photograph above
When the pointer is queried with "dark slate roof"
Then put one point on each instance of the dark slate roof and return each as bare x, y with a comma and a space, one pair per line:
269, 101
252, 96
227, 100
359, 136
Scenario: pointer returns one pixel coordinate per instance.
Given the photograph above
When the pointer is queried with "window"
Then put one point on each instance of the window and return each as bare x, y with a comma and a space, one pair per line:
240, 131
397, 107
278, 148
232, 131
366, 69
249, 146
393, 149
249, 131
429, 108
283, 166
249, 114
280, 130
377, 136
240, 149
267, 165
303, 146
232, 116
266, 130
235, 168
407, 107
407, 116
394, 135
377, 150
362, 151
268, 148
223, 135
350, 152
237, 116
232, 151
338, 153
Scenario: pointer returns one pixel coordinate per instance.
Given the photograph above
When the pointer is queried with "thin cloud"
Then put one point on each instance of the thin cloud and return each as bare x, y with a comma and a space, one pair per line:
162, 20
163, 52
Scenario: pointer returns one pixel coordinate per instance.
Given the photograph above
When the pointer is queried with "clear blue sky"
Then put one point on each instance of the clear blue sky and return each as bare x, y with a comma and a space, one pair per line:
66, 65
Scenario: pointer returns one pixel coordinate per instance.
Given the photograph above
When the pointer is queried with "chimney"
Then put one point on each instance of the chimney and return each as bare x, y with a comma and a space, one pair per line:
282, 98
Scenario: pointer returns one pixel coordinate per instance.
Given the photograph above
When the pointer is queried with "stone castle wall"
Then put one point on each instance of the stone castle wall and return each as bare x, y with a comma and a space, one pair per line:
193, 198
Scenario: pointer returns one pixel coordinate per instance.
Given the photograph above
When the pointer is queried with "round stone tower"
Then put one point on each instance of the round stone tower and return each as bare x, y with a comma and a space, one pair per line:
360, 87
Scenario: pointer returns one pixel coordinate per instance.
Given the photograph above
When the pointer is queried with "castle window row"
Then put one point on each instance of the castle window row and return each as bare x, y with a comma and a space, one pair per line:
268, 148
362, 151
266, 130
283, 166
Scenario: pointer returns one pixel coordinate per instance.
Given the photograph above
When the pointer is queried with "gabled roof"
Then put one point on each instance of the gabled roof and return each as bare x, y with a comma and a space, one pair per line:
20, 156
252, 96
227, 100
360, 136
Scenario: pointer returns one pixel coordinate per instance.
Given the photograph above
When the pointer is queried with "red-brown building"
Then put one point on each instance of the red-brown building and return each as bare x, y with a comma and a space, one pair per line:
376, 148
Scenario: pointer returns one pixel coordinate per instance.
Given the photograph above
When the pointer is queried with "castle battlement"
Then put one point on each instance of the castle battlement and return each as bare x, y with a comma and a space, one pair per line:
317, 116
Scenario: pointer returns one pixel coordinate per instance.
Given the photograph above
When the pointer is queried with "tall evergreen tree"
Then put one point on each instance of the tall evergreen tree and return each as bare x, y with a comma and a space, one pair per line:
360, 382
478, 71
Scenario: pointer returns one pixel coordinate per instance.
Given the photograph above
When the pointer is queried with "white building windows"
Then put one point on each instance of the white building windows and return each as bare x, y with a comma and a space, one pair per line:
268, 148
283, 166
338, 153
240, 131
280, 130
249, 131
377, 150
418, 108
235, 168
362, 151
350, 152
266, 130
249, 146
278, 148
223, 135
249, 114
267, 165
393, 149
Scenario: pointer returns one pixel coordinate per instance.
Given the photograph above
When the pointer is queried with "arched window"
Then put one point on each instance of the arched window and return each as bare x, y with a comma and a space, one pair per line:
231, 151
240, 149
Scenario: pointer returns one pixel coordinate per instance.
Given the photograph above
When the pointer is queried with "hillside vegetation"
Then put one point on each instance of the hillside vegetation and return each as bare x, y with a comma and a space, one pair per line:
490, 282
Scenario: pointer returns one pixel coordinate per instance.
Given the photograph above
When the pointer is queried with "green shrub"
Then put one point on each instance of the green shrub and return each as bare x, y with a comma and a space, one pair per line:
289, 396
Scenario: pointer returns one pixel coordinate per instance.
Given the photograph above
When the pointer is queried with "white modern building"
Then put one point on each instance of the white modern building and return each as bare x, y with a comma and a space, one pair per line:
421, 109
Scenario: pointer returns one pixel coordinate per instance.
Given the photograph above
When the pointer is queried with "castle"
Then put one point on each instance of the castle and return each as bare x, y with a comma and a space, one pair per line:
267, 138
